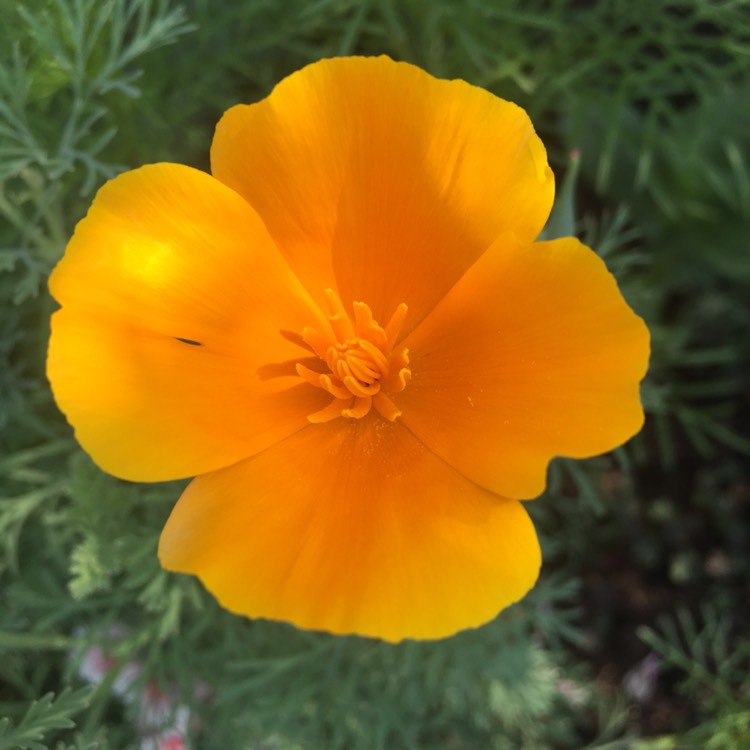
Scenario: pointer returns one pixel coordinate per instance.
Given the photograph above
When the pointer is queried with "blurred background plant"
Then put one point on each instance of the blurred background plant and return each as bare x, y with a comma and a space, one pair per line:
637, 634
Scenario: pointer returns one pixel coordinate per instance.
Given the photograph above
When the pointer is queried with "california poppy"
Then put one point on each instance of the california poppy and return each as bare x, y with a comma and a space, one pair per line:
348, 333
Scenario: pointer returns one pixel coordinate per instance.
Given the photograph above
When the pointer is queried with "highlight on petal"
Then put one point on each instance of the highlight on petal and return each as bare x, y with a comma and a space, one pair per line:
174, 300
533, 354
392, 180
353, 528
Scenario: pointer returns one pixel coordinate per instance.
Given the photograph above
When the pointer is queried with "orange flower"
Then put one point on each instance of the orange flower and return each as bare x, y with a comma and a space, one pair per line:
349, 335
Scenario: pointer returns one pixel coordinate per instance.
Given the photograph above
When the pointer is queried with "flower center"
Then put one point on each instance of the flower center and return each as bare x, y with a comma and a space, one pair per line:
361, 363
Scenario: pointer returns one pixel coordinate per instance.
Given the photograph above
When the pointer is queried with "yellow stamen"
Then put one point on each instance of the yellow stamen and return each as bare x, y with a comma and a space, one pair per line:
361, 407
394, 325
333, 410
386, 407
362, 360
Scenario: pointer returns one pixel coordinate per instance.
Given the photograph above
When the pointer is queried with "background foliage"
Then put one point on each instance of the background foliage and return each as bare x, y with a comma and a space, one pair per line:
637, 634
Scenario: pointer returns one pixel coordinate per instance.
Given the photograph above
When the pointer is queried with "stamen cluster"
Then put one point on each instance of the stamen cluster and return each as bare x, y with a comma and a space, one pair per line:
362, 363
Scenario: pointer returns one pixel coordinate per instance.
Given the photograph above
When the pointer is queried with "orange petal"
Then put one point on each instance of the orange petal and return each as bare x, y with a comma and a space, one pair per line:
173, 298
533, 354
353, 528
391, 180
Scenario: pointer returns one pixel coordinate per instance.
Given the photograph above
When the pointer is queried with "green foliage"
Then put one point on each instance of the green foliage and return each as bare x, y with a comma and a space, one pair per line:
487, 689
71, 57
35, 486
43, 716
654, 97
712, 669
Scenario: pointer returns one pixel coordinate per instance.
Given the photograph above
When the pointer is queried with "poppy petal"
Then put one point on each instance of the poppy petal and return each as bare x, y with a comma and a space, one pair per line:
533, 354
353, 528
373, 172
173, 299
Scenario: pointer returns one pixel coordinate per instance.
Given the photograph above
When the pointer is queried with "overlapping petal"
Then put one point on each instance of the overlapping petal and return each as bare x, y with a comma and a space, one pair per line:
353, 528
174, 299
533, 354
392, 181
